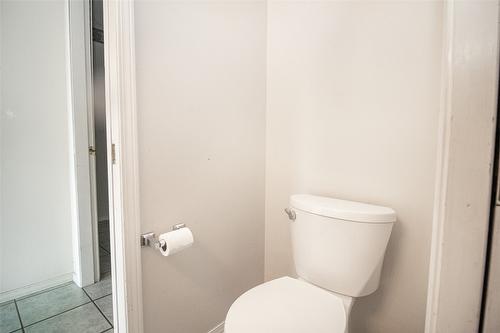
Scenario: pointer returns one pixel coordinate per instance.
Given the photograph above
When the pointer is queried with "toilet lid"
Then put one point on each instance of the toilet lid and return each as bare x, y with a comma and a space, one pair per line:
286, 305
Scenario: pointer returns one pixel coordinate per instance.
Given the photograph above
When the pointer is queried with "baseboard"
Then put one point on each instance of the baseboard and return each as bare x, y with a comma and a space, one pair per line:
218, 329
35, 287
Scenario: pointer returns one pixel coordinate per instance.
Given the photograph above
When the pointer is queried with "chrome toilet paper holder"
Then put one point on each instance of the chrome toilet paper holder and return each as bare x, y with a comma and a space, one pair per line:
149, 239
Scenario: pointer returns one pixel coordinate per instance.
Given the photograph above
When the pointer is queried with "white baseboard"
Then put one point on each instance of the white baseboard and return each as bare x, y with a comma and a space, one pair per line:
218, 329
35, 287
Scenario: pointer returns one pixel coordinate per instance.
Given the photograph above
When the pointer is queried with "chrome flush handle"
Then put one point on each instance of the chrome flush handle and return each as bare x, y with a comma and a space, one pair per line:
291, 214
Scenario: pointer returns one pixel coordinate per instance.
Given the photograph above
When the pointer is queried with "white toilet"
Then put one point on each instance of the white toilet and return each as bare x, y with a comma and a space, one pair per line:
338, 250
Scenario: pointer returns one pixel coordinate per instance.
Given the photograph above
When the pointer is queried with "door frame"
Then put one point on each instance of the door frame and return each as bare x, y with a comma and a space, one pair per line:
121, 140
123, 172
464, 166
80, 105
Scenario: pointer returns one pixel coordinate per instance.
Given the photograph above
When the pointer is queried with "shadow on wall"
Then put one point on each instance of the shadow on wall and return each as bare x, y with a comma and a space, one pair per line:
369, 306
199, 283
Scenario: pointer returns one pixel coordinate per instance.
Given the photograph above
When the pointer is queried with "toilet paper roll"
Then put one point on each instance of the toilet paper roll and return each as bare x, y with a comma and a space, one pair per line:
176, 240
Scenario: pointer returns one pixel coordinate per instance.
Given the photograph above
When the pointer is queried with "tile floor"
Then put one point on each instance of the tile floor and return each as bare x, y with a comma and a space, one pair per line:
63, 309
104, 247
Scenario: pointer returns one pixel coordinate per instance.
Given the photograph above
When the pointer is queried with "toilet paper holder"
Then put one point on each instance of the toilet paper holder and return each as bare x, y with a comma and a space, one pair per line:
149, 239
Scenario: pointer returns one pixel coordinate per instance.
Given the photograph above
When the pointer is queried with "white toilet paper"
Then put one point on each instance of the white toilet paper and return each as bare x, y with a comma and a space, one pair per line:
176, 240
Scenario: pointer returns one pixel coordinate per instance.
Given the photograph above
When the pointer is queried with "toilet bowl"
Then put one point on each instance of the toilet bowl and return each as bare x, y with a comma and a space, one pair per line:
286, 305
338, 249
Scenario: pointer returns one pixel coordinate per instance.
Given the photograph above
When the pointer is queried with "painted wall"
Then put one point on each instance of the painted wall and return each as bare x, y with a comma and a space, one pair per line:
35, 181
201, 108
353, 101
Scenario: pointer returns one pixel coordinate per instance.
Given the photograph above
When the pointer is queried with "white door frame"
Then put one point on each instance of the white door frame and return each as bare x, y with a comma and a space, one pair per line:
80, 102
119, 64
122, 155
464, 170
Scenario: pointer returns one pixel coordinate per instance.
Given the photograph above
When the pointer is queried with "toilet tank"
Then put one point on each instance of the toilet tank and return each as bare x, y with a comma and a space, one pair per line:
340, 245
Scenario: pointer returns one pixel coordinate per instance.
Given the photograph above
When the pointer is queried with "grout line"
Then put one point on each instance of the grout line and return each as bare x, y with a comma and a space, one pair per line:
104, 249
37, 294
98, 309
19, 316
55, 315
60, 313
98, 298
107, 329
16, 330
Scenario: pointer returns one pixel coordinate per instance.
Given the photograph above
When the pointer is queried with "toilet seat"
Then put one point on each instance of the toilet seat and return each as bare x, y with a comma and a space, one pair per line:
286, 305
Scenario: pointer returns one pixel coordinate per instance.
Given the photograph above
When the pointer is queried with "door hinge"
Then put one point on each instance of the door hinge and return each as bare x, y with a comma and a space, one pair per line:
91, 150
98, 35
113, 153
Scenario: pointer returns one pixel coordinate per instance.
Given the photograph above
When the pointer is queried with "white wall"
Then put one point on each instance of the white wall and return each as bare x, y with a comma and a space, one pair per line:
35, 180
353, 102
201, 108
353, 94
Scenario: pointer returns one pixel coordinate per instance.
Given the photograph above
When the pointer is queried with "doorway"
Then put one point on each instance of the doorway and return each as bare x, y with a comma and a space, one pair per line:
98, 148
55, 253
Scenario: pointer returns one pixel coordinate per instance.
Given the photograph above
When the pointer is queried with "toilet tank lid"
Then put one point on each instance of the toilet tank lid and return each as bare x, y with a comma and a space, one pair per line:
343, 209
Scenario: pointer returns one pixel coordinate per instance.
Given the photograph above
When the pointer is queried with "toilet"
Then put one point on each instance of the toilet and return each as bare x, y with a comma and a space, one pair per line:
338, 250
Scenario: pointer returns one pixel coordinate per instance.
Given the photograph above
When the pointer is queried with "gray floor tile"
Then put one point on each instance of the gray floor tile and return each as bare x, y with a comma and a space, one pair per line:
105, 263
50, 303
104, 237
9, 320
84, 319
105, 247
106, 306
99, 289
110, 331
103, 252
